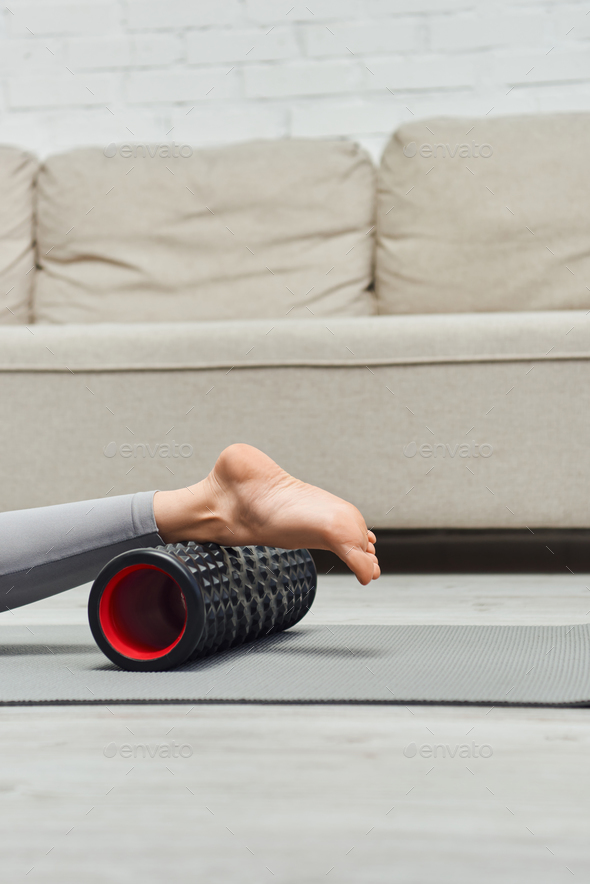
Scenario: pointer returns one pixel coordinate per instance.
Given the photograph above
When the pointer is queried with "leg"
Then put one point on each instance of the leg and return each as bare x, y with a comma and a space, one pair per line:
248, 499
53, 548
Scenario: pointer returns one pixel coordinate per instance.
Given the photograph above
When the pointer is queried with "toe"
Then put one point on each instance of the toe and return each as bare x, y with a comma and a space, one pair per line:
371, 537
362, 564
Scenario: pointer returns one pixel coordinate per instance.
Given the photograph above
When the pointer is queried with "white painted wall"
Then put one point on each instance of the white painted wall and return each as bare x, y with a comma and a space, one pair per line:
209, 72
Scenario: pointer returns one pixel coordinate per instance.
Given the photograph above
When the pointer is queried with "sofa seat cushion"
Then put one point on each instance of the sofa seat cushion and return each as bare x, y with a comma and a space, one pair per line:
423, 422
485, 214
263, 229
339, 342
18, 170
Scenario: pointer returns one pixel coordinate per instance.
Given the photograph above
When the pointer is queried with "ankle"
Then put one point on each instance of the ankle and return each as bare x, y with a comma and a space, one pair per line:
188, 513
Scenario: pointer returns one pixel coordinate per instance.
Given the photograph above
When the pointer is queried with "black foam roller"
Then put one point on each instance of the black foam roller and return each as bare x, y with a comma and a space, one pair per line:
153, 609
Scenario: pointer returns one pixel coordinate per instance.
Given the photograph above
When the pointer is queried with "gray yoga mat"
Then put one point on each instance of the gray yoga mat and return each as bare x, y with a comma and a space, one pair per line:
544, 665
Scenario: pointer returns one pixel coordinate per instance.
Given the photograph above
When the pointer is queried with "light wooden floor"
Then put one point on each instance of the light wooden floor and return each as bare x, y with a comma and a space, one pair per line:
306, 794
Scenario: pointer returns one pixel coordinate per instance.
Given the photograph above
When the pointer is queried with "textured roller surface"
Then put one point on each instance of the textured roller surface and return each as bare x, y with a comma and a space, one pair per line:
248, 591
509, 665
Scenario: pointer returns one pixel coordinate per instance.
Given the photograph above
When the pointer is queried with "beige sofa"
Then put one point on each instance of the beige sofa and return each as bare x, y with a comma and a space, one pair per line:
415, 339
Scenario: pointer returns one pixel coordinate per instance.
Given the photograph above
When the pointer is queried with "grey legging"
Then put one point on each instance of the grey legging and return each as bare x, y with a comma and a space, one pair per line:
52, 548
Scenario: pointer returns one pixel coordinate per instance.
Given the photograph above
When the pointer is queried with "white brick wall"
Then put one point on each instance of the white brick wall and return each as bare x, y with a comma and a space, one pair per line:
216, 71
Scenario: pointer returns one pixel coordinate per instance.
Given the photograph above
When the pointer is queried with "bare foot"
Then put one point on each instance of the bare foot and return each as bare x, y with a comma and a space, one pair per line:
248, 499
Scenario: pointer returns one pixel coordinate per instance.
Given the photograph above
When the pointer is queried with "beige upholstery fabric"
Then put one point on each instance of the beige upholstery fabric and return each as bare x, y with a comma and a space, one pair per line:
507, 229
264, 229
17, 177
465, 421
355, 342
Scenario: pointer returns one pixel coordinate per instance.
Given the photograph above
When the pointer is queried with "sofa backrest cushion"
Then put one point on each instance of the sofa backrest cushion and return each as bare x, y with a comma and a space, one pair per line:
257, 230
18, 171
485, 215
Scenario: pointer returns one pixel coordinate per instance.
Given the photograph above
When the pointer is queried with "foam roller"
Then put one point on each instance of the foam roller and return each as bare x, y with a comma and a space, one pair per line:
153, 609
